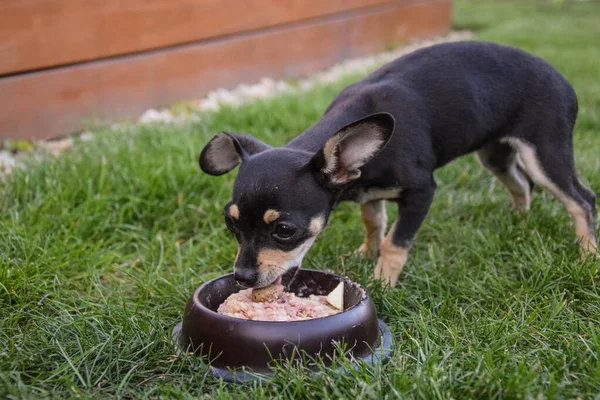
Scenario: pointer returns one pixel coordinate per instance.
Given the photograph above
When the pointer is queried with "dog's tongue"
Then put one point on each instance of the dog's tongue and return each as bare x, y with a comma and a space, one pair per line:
277, 281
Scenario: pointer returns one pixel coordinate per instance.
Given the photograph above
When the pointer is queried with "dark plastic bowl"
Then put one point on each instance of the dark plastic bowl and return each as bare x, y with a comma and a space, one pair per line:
233, 343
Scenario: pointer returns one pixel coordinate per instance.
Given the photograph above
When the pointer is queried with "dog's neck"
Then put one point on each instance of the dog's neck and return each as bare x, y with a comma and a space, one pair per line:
335, 118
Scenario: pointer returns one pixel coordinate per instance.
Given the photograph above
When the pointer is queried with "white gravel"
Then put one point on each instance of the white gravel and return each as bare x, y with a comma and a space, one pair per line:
7, 162
268, 87
152, 116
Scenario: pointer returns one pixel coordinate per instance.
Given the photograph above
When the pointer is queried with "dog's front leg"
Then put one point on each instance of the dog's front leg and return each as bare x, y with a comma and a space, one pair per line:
393, 252
374, 219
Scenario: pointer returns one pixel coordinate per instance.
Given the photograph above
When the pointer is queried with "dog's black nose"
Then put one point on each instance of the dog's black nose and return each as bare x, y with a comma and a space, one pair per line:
245, 277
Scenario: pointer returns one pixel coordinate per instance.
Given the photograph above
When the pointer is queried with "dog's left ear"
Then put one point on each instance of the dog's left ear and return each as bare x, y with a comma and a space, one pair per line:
226, 150
340, 160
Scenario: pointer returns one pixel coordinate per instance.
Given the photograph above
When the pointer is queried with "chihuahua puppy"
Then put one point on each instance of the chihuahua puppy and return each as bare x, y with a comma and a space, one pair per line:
381, 139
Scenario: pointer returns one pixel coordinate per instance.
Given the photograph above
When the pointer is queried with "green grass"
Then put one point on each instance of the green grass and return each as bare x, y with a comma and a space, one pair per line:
100, 249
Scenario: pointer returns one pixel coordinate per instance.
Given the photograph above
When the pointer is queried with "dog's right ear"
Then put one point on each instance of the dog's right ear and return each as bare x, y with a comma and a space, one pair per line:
340, 161
226, 150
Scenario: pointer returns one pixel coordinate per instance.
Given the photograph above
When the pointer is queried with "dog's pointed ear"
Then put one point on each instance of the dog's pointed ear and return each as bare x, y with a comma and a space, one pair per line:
226, 150
340, 160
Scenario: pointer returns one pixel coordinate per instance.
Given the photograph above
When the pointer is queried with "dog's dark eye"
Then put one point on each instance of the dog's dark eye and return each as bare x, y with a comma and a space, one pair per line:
284, 231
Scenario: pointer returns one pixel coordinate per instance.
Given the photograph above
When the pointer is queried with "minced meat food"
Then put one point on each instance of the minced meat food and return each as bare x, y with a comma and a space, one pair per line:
286, 307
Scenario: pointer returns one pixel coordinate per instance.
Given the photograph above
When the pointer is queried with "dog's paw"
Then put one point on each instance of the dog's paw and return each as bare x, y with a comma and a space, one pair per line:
588, 249
386, 274
521, 203
390, 264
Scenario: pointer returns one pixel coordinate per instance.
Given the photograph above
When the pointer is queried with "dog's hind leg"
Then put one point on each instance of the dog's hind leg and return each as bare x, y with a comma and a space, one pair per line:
501, 160
550, 164
413, 207
374, 219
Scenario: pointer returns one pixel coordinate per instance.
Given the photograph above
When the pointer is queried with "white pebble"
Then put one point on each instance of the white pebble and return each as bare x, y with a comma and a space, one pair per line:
57, 147
7, 162
152, 116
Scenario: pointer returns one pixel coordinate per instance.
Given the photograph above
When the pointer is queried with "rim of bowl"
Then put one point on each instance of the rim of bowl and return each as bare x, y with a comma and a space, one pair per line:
199, 304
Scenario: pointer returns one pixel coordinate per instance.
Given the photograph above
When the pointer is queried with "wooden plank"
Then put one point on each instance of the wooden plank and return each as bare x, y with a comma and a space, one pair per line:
37, 34
57, 102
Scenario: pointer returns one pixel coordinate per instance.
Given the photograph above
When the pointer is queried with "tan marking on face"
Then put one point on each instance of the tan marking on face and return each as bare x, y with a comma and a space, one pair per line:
234, 211
237, 255
272, 263
271, 216
316, 225
391, 260
271, 257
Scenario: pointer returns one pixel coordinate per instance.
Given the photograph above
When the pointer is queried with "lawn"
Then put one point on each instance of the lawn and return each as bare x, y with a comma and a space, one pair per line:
101, 247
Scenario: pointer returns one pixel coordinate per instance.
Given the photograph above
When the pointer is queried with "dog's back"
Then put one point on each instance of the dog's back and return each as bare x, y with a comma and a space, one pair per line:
462, 95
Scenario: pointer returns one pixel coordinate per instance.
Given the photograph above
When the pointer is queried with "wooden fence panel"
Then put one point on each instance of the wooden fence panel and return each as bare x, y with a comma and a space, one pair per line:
58, 101
38, 34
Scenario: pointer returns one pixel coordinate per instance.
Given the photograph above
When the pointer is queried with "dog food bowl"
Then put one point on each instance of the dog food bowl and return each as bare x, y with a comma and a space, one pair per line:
238, 349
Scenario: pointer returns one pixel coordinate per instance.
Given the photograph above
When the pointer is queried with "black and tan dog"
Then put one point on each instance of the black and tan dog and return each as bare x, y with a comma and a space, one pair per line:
382, 138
